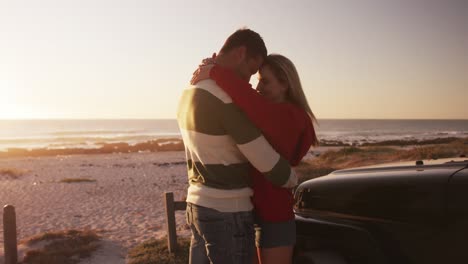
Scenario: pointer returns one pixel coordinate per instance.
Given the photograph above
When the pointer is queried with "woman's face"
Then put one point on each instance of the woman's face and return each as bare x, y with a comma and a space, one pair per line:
270, 87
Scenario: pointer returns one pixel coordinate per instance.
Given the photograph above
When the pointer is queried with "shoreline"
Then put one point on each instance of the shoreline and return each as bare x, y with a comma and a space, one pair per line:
176, 144
157, 145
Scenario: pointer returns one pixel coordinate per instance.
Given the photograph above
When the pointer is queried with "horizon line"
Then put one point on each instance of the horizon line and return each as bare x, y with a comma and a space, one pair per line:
111, 119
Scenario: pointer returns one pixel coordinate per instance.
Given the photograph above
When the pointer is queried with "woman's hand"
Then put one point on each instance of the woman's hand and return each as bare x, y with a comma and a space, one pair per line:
203, 71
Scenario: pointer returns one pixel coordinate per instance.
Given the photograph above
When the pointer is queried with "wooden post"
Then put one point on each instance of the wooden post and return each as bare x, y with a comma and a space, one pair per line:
170, 222
9, 235
180, 206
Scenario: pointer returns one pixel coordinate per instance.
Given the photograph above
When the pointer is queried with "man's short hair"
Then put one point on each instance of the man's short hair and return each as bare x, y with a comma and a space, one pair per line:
248, 38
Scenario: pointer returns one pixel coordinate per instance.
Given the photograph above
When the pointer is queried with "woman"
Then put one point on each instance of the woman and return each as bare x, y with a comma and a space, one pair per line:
280, 110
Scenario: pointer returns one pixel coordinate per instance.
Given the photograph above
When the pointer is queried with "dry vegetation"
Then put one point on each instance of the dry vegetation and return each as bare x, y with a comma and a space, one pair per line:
12, 172
76, 180
164, 144
155, 251
62, 247
350, 157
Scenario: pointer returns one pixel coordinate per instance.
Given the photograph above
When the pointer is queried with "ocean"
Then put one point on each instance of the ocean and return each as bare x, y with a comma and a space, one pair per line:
62, 134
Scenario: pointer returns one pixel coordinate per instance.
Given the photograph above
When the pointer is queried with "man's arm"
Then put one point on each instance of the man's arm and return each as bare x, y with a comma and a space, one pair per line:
256, 148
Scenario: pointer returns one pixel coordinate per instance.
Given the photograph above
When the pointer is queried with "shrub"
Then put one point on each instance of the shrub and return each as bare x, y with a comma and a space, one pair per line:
155, 251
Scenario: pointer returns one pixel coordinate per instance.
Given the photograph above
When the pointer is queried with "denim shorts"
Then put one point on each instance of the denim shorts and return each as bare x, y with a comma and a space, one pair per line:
219, 237
274, 234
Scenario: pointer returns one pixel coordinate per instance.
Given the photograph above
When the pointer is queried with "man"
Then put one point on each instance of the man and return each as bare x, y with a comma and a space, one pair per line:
220, 142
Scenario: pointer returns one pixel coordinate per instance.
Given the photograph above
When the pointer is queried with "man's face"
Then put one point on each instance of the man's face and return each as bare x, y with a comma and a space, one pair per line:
249, 66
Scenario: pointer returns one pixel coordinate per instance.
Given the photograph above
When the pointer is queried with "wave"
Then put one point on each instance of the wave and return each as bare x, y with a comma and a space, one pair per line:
88, 141
168, 144
66, 134
95, 140
410, 138
96, 132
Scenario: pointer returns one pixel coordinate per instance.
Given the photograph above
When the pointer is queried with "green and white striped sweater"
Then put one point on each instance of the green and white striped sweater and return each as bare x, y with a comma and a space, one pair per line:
220, 142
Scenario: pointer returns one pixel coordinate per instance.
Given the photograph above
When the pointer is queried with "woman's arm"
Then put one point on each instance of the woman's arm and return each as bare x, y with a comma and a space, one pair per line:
257, 107
261, 111
306, 139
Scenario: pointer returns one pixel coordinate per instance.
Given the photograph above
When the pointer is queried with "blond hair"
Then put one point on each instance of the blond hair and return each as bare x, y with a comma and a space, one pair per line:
286, 73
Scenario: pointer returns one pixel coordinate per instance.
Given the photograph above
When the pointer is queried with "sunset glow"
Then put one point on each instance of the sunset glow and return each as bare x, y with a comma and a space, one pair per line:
131, 59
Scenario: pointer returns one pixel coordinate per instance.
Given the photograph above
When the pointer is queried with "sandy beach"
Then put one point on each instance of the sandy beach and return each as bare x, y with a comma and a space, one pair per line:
124, 200
120, 195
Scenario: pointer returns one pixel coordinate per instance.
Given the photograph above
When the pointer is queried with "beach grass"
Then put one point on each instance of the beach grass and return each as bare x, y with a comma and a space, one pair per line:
61, 247
155, 251
400, 142
350, 157
12, 172
76, 180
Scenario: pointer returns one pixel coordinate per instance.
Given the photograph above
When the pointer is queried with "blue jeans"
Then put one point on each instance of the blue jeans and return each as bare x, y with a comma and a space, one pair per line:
220, 238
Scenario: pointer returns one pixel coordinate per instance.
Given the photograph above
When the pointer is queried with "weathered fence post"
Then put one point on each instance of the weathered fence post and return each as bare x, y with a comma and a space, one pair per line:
9, 235
171, 207
170, 222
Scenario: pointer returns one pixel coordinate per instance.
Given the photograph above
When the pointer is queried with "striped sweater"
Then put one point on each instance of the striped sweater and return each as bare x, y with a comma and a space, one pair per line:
220, 142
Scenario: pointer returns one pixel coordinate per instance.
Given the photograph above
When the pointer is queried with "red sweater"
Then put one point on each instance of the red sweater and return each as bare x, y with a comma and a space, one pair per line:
287, 127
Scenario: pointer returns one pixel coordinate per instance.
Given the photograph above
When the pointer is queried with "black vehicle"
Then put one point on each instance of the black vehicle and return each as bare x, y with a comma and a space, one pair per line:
393, 213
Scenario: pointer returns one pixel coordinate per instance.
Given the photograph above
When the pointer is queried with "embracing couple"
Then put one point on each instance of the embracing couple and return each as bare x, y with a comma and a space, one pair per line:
240, 145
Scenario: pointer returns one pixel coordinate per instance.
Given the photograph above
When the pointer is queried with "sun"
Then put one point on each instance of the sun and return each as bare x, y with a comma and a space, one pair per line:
12, 110
10, 106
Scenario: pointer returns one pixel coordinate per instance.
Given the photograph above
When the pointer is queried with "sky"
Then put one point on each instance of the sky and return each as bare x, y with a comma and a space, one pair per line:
362, 59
